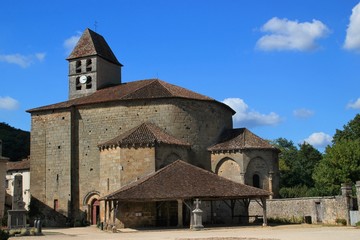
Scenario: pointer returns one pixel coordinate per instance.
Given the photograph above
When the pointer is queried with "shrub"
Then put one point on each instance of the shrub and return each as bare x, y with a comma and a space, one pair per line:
357, 224
340, 221
292, 220
4, 235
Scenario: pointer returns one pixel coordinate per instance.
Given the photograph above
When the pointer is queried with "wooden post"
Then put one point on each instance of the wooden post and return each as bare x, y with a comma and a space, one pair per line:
180, 213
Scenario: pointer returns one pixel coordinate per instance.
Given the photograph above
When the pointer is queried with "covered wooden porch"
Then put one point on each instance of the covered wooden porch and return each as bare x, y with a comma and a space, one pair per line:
181, 184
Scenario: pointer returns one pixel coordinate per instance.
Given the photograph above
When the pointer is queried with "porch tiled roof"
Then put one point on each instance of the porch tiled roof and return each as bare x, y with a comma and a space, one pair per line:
181, 180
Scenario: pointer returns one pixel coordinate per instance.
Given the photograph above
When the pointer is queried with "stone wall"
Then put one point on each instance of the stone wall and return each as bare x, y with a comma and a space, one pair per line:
320, 209
241, 166
136, 215
51, 151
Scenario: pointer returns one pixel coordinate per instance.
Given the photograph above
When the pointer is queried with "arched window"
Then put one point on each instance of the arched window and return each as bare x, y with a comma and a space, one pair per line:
89, 83
256, 181
88, 65
78, 67
78, 84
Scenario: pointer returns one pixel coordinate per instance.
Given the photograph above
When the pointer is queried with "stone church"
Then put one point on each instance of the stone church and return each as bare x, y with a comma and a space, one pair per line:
110, 134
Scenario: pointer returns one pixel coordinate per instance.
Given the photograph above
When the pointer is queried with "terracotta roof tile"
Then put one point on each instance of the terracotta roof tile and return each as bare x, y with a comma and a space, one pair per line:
142, 89
181, 180
90, 44
239, 139
19, 165
144, 134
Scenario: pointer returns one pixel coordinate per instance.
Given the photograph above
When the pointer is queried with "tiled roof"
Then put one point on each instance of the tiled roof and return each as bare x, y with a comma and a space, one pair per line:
146, 134
90, 44
181, 180
142, 89
239, 139
19, 165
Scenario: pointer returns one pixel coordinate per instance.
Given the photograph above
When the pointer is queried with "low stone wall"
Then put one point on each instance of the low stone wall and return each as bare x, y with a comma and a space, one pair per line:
320, 209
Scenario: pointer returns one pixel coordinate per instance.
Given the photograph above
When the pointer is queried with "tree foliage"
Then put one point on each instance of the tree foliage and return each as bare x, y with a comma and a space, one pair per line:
350, 132
16, 142
341, 162
297, 165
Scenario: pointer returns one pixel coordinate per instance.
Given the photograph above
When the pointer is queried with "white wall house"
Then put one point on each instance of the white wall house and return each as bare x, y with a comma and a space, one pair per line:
3, 161
18, 168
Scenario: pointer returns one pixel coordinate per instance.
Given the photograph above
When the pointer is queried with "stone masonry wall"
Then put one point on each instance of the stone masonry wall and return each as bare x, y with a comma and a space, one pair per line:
51, 160
322, 209
136, 215
241, 166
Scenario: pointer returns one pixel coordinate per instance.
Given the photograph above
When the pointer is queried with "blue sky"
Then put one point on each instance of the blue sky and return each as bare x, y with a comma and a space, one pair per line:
289, 68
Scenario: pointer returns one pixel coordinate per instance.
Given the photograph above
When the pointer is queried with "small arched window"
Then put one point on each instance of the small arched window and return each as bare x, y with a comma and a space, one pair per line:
89, 83
256, 181
78, 84
78, 67
88, 65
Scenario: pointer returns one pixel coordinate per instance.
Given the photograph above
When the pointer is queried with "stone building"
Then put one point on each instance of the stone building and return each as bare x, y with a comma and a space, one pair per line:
3, 161
19, 168
110, 133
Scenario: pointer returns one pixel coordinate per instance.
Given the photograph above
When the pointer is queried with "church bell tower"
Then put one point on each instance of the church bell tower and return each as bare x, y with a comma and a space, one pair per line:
92, 66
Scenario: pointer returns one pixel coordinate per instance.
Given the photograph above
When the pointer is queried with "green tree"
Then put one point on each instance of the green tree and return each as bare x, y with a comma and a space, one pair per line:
287, 156
341, 164
297, 165
308, 158
351, 131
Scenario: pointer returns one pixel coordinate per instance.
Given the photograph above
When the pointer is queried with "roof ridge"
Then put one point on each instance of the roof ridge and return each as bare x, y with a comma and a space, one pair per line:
142, 180
146, 82
162, 83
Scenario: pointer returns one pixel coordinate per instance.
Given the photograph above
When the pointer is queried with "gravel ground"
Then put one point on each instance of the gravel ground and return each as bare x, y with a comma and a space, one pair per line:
288, 232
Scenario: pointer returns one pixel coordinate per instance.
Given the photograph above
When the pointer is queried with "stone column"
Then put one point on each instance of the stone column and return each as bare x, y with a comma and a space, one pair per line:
271, 174
180, 213
357, 186
346, 191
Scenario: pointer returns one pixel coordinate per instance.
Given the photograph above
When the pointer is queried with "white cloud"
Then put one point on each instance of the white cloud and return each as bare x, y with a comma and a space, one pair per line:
246, 117
40, 56
70, 43
285, 34
303, 113
354, 105
319, 139
8, 103
352, 40
23, 61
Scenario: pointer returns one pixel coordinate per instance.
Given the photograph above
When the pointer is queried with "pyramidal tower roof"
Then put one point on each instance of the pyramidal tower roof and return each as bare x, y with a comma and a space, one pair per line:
90, 44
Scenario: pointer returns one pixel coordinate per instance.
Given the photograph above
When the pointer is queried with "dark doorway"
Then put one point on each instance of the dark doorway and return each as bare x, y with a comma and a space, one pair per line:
167, 214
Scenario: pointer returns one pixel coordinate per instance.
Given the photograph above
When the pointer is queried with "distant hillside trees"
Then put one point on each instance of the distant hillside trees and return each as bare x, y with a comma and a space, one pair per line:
16, 142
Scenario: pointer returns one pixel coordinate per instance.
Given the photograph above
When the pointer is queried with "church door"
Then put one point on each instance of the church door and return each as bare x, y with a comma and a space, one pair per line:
95, 211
